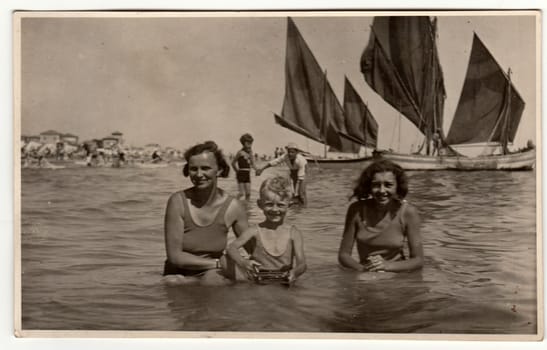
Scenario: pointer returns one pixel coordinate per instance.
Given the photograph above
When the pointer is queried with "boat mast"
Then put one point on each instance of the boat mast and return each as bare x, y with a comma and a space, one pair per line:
505, 130
323, 123
365, 128
433, 81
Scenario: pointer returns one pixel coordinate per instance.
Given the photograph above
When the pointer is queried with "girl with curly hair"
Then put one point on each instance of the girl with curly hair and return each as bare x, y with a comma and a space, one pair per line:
380, 221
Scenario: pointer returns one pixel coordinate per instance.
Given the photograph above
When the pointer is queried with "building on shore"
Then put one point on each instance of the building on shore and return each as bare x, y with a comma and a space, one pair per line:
50, 136
69, 138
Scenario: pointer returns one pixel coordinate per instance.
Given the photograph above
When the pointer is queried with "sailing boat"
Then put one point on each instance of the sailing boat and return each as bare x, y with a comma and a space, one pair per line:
360, 124
310, 107
401, 64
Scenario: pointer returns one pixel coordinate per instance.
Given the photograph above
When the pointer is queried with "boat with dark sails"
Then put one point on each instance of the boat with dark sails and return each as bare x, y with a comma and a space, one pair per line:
311, 108
401, 64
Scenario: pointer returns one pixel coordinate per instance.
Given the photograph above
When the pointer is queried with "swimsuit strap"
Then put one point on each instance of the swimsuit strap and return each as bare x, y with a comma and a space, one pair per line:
219, 218
187, 214
220, 215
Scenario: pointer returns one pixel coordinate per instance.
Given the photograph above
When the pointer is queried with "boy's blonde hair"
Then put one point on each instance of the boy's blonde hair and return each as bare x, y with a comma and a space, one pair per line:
278, 185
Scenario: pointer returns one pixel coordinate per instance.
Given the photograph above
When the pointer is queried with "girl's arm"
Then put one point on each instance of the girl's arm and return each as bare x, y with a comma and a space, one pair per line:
348, 240
300, 258
234, 162
416, 259
174, 231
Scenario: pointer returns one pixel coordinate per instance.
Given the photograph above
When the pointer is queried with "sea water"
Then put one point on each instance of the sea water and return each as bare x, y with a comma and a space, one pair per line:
93, 251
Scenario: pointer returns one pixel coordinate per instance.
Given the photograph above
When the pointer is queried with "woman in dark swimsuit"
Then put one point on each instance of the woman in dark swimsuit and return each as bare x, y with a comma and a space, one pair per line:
197, 220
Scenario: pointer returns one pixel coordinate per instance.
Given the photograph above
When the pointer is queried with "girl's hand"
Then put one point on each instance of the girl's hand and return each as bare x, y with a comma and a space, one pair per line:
375, 263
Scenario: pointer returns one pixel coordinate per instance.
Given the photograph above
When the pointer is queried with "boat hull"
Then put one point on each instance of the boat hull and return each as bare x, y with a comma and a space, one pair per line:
341, 163
515, 161
524, 160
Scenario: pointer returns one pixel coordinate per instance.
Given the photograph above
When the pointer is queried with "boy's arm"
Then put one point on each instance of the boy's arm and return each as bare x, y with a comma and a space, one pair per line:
233, 249
298, 248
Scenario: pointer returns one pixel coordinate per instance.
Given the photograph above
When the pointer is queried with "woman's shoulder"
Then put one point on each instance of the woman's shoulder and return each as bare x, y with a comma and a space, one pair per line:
177, 195
234, 205
408, 210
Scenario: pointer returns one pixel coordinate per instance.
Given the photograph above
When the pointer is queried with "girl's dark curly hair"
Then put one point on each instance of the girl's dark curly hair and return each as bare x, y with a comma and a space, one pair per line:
364, 185
207, 146
246, 138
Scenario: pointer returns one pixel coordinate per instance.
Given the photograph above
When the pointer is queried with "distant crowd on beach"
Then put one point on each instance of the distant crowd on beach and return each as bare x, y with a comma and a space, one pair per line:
380, 223
95, 153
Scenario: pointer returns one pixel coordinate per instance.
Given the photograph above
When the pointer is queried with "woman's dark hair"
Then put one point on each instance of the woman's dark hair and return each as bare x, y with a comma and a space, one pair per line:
364, 185
207, 146
246, 138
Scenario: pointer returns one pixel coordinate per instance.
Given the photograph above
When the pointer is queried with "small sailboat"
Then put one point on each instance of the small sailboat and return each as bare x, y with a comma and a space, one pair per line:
360, 124
401, 64
310, 107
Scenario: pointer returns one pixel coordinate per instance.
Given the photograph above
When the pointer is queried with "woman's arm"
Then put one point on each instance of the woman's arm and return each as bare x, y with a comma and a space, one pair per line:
237, 216
348, 240
300, 258
174, 231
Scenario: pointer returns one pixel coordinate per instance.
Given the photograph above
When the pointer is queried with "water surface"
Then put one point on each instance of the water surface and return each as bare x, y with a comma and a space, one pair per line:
93, 252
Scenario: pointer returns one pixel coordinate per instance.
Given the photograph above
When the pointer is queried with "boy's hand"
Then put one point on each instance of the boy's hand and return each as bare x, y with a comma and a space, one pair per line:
251, 267
292, 277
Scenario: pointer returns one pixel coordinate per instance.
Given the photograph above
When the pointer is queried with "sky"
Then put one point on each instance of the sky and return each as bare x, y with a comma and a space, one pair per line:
179, 81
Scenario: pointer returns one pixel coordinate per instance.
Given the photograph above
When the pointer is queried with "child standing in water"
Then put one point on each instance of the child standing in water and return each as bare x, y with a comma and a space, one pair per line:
276, 246
380, 221
242, 164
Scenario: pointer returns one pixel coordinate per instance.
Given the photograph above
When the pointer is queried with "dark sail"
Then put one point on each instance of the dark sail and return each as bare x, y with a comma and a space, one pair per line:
309, 103
490, 108
360, 124
401, 64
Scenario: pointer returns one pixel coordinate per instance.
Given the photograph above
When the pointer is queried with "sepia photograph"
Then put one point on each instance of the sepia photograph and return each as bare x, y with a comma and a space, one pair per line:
315, 174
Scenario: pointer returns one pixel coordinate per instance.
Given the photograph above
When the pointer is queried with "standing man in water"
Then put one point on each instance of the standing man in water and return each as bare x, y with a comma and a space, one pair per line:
297, 167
